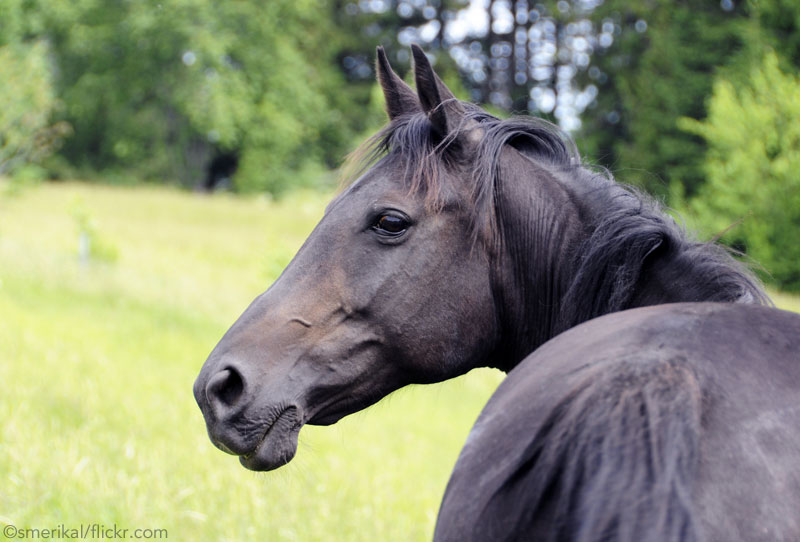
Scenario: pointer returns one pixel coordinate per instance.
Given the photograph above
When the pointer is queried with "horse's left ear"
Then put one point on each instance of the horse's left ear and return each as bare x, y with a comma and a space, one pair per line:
400, 98
442, 107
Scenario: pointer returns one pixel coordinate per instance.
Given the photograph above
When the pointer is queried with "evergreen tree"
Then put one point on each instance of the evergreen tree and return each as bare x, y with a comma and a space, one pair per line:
753, 138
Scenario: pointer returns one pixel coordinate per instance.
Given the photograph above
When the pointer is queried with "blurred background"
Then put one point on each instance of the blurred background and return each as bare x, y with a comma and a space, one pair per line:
696, 101
162, 160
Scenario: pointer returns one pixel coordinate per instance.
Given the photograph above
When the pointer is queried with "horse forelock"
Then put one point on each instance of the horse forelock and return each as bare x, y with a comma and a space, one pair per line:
475, 145
409, 146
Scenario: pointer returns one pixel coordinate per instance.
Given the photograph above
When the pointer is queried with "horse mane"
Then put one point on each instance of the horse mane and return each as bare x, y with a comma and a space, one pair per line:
627, 228
632, 230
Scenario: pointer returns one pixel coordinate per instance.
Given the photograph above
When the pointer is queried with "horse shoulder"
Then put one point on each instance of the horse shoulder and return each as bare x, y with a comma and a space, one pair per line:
596, 435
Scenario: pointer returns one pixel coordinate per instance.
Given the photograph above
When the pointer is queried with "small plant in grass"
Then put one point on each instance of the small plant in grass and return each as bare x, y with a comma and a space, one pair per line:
91, 244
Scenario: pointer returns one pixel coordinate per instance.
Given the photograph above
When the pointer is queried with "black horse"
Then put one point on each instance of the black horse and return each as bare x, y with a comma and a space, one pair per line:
470, 241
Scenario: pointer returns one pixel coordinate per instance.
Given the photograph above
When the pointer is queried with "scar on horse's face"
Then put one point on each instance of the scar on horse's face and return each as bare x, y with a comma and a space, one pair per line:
385, 292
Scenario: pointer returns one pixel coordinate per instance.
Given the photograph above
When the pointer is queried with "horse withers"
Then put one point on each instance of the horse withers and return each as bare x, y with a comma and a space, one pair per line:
471, 241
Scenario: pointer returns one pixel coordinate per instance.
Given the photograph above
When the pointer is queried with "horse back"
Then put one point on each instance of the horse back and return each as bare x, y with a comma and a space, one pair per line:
672, 422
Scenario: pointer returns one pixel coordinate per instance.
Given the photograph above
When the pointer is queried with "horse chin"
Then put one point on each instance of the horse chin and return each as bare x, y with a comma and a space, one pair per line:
278, 445
327, 419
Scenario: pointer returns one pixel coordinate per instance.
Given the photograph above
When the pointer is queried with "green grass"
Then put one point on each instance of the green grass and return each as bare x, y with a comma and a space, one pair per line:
785, 301
97, 362
97, 419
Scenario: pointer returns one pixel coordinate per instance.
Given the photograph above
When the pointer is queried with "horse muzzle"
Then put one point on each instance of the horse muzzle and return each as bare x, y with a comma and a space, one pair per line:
263, 435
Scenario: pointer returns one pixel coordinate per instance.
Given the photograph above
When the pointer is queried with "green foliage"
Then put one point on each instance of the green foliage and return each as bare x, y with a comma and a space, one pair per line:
753, 135
25, 176
27, 135
155, 89
654, 78
99, 421
776, 24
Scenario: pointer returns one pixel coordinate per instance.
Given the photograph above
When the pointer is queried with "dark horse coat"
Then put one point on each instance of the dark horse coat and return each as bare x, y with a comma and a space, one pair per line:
673, 422
471, 241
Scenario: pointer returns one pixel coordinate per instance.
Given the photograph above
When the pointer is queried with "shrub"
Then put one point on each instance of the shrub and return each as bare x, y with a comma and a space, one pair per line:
753, 169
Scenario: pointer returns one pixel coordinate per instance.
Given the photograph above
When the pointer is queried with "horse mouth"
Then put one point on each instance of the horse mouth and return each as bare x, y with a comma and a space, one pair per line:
278, 444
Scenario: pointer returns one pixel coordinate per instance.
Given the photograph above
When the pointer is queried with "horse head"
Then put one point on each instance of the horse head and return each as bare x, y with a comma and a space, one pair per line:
390, 288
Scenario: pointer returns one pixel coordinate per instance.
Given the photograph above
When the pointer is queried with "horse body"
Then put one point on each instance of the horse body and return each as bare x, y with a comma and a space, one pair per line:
471, 241
672, 422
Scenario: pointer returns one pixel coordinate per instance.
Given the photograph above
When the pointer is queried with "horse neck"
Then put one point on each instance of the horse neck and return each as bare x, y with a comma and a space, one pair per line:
537, 223
567, 262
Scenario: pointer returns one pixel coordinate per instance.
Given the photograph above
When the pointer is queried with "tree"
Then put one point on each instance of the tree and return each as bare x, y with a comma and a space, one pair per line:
660, 68
157, 90
27, 134
753, 138
777, 25
616, 74
154, 89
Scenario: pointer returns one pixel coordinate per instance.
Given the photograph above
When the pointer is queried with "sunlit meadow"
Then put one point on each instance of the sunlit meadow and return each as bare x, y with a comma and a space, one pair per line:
97, 358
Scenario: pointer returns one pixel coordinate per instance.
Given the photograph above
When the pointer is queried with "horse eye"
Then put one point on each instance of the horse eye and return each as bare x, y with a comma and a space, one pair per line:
391, 224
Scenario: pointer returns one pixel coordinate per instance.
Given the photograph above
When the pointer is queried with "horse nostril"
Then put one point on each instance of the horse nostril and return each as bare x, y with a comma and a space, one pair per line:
225, 389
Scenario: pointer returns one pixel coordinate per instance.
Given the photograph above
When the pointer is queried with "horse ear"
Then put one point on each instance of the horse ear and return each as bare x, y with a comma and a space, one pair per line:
400, 97
443, 109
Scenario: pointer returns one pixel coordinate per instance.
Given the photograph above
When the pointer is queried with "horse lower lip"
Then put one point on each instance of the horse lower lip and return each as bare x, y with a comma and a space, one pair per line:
263, 438
277, 445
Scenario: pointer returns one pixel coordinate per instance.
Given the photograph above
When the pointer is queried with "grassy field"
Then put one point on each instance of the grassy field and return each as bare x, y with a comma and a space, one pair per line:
97, 359
97, 362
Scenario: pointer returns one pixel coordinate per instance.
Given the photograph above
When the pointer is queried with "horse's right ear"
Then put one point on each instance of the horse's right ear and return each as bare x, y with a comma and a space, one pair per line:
443, 109
400, 98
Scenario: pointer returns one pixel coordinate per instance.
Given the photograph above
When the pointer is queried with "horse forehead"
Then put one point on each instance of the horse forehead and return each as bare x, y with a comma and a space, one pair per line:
371, 189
